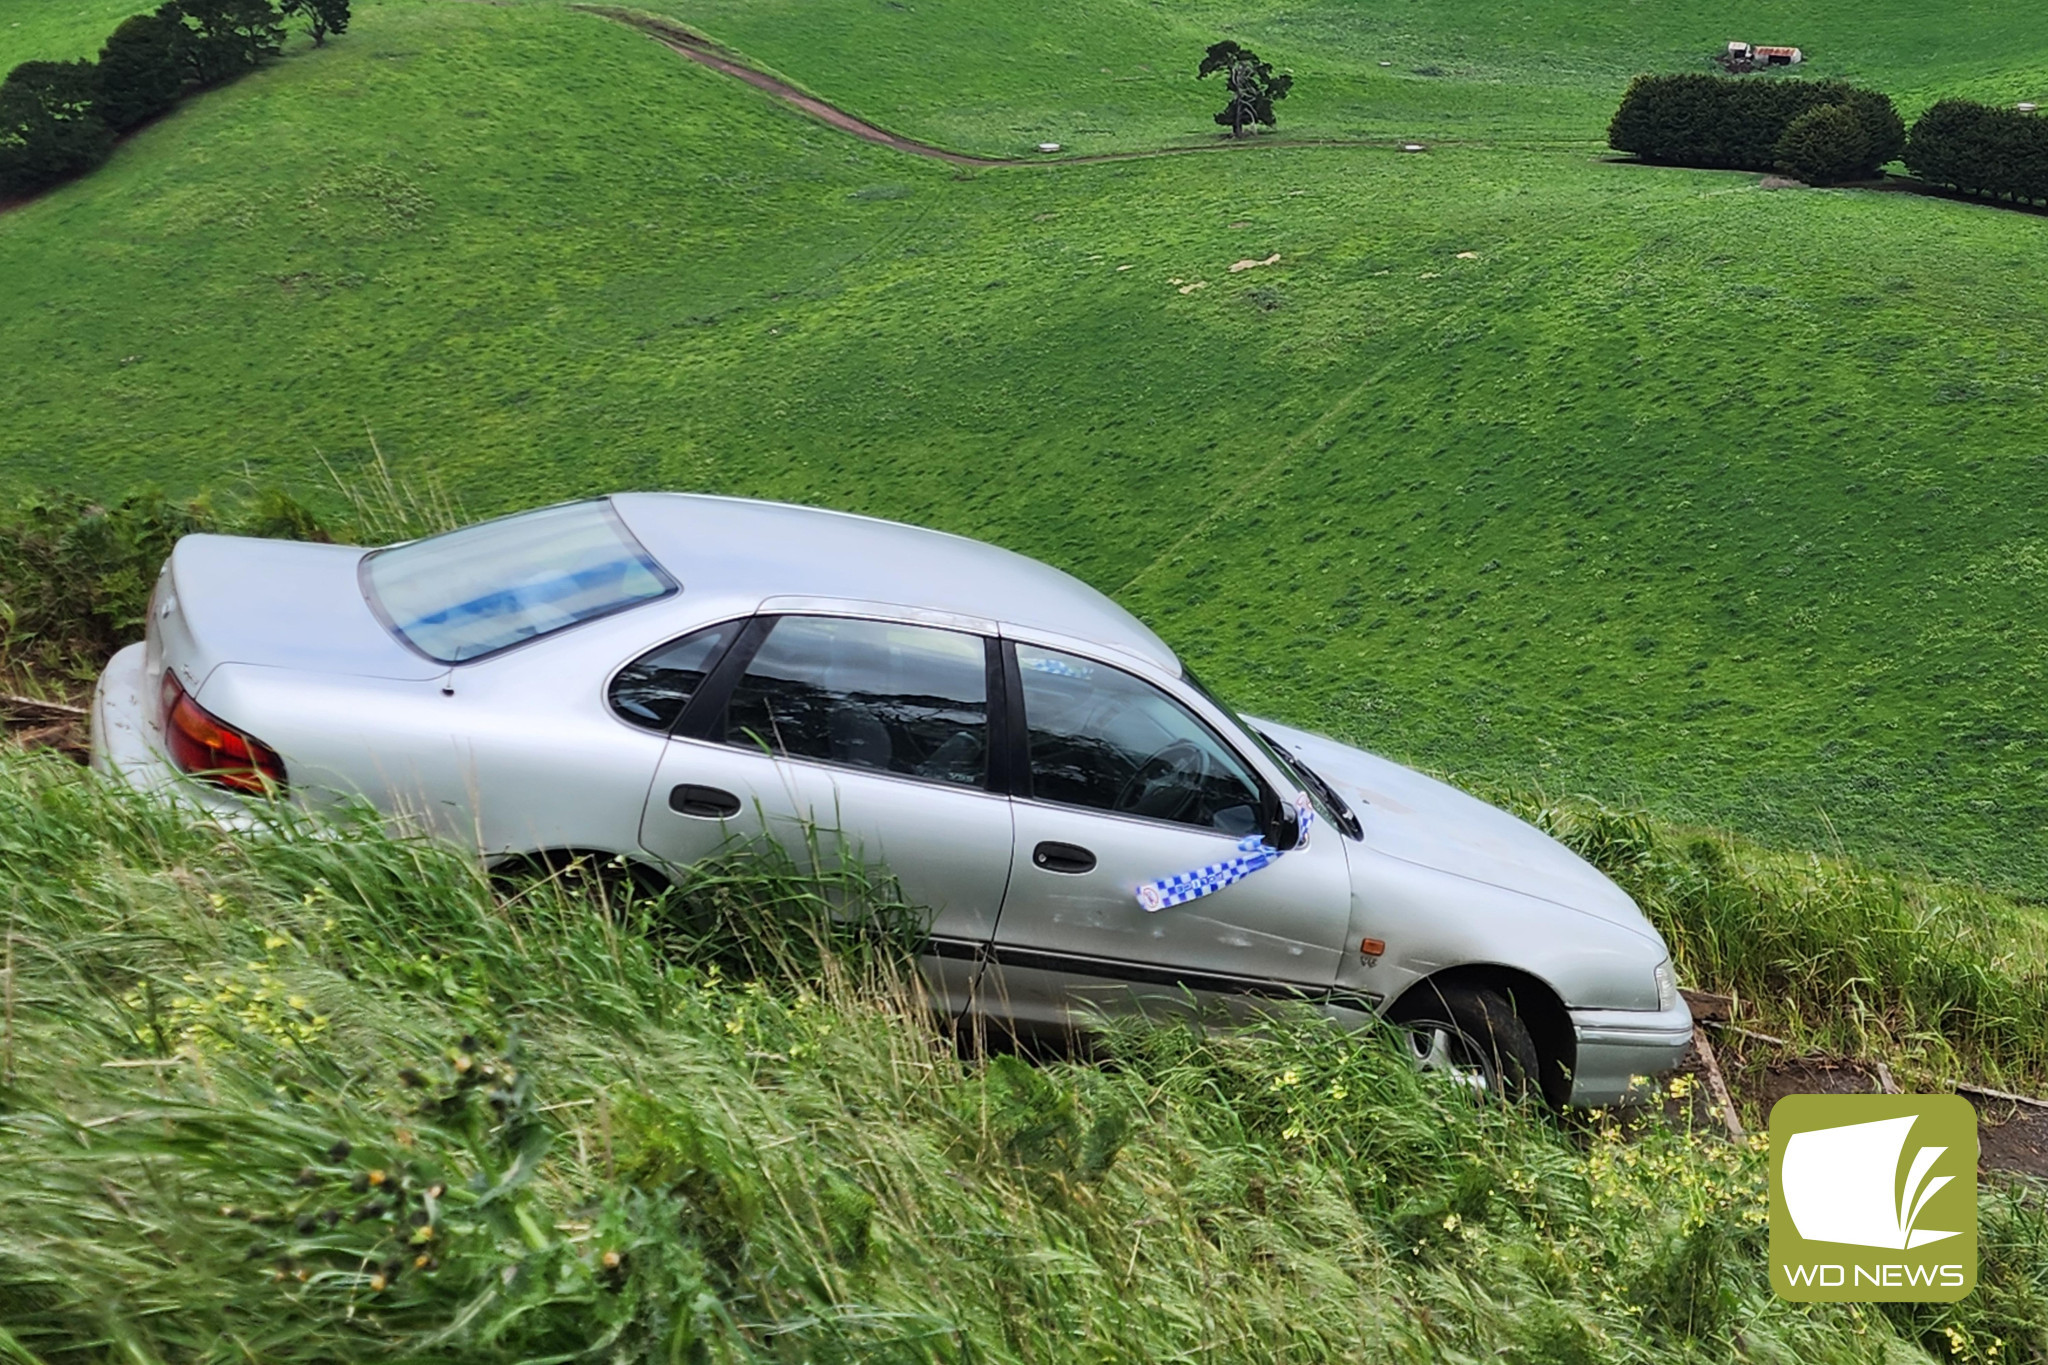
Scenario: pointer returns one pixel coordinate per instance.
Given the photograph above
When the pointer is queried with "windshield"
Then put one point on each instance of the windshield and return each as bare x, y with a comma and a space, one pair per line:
485, 588
1321, 794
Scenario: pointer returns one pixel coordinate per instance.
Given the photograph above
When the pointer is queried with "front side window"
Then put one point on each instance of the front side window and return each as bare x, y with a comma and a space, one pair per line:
653, 690
867, 694
484, 588
1106, 740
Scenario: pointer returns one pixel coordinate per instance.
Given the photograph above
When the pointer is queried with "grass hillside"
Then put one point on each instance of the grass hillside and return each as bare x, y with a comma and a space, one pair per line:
1114, 74
58, 30
286, 1098
1518, 463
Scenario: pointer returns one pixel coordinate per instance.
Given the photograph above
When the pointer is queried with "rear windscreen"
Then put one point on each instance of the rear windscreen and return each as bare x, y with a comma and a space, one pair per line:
481, 589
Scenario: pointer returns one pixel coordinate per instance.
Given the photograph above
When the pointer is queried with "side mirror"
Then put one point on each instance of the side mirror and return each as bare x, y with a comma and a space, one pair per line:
1283, 827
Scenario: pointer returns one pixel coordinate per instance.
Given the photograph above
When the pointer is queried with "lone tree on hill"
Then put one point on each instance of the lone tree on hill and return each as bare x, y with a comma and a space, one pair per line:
1253, 86
322, 17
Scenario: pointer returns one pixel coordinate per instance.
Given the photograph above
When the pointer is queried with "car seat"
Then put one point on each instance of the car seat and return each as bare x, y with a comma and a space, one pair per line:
858, 736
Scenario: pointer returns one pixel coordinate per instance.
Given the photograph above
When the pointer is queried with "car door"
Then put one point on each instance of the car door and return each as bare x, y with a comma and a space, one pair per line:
1124, 785
845, 738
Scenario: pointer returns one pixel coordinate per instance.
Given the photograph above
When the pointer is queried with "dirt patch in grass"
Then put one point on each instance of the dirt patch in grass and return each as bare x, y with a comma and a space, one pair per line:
2011, 1136
702, 51
1767, 1083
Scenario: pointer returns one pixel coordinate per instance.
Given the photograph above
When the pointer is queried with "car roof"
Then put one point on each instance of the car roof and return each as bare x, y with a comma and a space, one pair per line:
742, 546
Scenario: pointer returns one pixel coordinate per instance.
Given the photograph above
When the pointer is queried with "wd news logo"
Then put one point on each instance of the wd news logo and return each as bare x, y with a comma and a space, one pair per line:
1873, 1197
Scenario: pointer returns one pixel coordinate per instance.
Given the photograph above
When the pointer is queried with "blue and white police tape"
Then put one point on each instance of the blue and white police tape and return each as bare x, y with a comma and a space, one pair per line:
1253, 853
1058, 667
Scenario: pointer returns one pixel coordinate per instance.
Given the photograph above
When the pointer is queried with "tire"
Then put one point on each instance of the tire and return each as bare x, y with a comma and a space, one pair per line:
605, 879
1471, 1034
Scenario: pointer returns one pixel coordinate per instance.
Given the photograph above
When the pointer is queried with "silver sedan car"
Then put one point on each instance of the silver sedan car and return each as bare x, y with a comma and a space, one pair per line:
654, 677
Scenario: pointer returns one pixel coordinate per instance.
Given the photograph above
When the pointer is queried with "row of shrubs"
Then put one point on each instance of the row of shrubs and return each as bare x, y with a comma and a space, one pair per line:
1981, 149
60, 119
76, 573
1827, 132
1824, 132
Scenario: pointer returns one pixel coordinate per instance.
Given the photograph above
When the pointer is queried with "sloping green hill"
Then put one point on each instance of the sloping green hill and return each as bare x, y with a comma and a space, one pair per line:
58, 30
1114, 74
1517, 462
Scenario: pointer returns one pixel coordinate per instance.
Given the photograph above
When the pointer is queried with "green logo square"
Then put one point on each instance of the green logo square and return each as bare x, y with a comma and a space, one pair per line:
1873, 1197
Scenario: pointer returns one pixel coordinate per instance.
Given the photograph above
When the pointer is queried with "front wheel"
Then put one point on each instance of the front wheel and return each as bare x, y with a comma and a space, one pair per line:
1472, 1037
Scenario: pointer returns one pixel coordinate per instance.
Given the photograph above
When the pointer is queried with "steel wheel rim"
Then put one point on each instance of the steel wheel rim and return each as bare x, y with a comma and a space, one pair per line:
1442, 1050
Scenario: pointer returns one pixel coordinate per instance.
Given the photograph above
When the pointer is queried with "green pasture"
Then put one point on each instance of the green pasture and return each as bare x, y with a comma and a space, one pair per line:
1518, 463
1101, 75
58, 30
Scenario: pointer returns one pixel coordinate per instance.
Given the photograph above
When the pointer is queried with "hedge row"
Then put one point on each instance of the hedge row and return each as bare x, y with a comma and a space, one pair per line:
1981, 149
75, 574
59, 119
1822, 131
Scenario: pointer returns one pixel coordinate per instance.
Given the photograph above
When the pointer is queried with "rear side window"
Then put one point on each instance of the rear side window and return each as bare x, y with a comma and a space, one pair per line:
485, 588
867, 694
653, 690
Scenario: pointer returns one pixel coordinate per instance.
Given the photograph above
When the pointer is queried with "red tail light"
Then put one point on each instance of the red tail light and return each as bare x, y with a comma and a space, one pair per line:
208, 747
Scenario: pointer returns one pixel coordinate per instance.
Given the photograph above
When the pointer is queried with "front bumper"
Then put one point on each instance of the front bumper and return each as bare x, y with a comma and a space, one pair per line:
1619, 1050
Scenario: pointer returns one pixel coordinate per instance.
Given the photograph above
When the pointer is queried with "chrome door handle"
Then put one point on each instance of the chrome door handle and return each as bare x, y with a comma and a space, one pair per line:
706, 803
1057, 857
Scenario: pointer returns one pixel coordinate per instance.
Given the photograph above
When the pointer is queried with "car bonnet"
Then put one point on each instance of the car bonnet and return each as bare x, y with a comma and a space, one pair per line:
1421, 820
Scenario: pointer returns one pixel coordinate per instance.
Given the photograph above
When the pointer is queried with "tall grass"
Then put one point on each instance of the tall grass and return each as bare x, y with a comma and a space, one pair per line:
76, 573
327, 1095
1943, 976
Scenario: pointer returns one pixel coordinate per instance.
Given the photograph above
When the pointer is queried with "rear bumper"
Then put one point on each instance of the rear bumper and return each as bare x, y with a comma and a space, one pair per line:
123, 737
125, 741
1620, 1050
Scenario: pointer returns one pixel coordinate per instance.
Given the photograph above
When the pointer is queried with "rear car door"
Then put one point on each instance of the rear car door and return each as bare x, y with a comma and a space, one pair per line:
845, 738
1124, 785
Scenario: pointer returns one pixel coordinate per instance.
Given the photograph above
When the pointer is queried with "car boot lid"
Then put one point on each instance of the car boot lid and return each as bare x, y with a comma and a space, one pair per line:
276, 603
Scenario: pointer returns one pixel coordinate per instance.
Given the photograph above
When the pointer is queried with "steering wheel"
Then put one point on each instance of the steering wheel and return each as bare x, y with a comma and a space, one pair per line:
1180, 767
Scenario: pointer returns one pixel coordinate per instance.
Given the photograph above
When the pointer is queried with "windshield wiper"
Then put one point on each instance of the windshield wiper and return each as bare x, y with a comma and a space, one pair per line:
1313, 780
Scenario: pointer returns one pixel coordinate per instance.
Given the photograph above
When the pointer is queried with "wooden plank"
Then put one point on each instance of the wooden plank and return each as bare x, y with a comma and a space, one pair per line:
49, 708
1749, 1033
2005, 1095
1716, 1085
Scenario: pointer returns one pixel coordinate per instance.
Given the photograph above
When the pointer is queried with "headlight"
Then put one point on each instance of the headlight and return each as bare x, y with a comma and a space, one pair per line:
1667, 987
